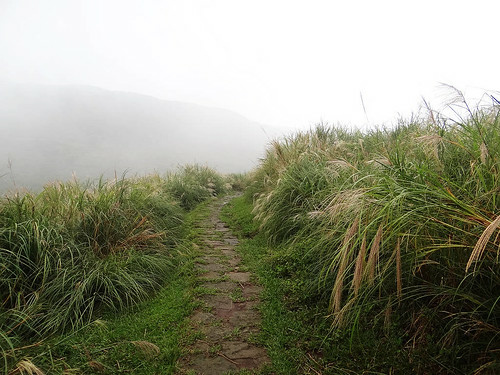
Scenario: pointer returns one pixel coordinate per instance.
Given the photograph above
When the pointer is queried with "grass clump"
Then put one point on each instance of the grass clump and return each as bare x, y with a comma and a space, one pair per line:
78, 250
193, 184
294, 330
393, 231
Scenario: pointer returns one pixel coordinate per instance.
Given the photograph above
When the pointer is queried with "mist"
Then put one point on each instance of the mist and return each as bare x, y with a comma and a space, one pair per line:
62, 132
93, 87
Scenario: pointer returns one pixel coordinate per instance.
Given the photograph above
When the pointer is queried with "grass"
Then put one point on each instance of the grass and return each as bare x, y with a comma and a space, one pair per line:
193, 184
296, 335
76, 252
146, 339
121, 343
392, 236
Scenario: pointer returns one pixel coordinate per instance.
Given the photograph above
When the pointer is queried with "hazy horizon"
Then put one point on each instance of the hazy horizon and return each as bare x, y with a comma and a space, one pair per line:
56, 131
94, 87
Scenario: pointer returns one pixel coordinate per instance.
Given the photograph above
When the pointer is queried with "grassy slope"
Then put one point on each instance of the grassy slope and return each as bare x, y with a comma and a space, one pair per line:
294, 333
77, 252
121, 343
397, 231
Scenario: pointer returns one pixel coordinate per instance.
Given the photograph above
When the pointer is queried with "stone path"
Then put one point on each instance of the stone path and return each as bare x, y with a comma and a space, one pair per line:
228, 319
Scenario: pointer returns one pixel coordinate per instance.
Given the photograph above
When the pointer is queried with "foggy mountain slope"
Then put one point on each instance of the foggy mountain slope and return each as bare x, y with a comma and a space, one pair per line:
52, 131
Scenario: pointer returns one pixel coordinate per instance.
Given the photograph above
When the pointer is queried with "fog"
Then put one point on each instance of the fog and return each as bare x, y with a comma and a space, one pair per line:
93, 86
57, 132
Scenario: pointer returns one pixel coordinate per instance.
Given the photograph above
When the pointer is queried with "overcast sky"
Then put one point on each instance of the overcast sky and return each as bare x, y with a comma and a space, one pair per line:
284, 63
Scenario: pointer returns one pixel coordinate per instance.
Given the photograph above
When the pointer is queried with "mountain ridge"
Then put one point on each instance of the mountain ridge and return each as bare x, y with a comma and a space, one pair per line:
56, 131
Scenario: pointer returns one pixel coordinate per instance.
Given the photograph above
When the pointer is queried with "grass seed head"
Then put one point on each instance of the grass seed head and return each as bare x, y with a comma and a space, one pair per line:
481, 244
26, 367
360, 264
374, 255
149, 349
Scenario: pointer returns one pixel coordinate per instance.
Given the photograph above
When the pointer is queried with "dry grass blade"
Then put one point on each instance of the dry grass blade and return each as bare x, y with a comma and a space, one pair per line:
149, 349
315, 214
338, 320
351, 232
346, 251
26, 367
341, 164
227, 358
100, 323
71, 371
374, 254
379, 161
482, 242
279, 152
486, 366
432, 141
345, 201
360, 264
387, 315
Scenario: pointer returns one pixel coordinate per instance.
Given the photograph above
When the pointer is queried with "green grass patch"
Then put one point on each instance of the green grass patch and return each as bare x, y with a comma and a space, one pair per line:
393, 234
297, 335
145, 339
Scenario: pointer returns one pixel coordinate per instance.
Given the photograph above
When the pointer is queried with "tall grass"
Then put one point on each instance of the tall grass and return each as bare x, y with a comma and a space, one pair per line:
399, 225
193, 184
79, 248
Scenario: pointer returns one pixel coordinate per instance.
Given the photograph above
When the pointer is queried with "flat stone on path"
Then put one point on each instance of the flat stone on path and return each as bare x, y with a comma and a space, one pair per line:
202, 317
214, 267
215, 243
226, 286
240, 277
210, 275
211, 365
239, 349
234, 262
228, 252
218, 301
232, 241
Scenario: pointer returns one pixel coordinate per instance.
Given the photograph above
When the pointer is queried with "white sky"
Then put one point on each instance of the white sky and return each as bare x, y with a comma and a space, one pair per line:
284, 63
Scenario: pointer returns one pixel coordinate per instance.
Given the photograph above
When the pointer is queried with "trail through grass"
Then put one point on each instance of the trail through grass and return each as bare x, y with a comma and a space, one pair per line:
77, 252
226, 322
298, 335
378, 252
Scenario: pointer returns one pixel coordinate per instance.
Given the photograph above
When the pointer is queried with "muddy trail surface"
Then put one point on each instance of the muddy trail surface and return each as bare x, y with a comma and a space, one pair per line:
227, 320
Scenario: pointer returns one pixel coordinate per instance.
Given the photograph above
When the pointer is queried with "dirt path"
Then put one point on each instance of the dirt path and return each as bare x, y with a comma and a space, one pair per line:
228, 319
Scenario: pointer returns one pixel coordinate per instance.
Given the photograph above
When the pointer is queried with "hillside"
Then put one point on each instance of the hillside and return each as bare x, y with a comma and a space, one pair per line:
343, 252
54, 132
